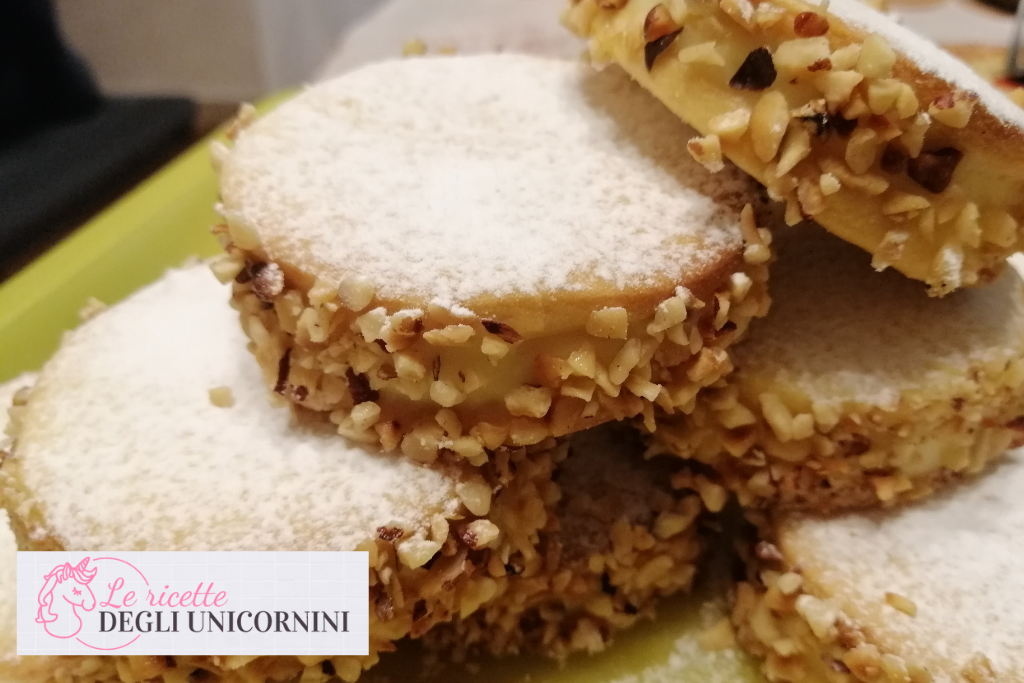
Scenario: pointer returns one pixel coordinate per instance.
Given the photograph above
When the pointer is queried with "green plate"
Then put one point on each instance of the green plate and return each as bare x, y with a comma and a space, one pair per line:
165, 221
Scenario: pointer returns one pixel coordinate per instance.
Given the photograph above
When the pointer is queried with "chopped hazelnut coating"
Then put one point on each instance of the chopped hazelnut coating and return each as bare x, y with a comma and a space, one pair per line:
857, 390
589, 297
619, 539
848, 111
257, 478
444, 541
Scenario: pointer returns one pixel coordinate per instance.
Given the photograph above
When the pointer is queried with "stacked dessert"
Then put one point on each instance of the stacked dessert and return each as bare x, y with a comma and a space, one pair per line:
857, 391
505, 327
453, 273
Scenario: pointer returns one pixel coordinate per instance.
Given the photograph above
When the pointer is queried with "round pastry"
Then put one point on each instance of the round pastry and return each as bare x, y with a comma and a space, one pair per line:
878, 134
171, 428
924, 593
857, 389
519, 242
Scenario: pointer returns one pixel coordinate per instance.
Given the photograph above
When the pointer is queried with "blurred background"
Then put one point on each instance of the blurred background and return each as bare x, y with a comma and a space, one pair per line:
95, 95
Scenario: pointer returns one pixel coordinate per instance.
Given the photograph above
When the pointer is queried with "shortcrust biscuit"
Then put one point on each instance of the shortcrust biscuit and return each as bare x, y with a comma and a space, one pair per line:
170, 426
618, 544
857, 389
517, 245
879, 135
929, 592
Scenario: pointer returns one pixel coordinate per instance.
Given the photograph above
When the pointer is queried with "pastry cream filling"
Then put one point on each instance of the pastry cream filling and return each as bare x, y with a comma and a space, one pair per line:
430, 381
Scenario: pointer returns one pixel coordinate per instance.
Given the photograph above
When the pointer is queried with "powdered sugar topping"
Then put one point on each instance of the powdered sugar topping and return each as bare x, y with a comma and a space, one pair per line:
450, 179
958, 556
839, 331
122, 448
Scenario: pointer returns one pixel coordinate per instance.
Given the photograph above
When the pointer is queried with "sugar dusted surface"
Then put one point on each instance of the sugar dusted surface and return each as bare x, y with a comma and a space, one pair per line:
839, 331
928, 57
123, 450
454, 178
959, 556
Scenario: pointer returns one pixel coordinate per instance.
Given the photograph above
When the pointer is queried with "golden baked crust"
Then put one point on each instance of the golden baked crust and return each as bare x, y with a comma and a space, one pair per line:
549, 342
857, 390
930, 177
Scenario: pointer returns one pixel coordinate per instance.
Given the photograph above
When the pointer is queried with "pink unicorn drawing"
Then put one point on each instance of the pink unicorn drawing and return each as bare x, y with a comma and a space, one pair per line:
66, 589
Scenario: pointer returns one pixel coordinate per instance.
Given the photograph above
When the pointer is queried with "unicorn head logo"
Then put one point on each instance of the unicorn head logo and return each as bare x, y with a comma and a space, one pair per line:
66, 589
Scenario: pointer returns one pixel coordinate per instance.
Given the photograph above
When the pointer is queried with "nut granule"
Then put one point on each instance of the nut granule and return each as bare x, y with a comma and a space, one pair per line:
494, 350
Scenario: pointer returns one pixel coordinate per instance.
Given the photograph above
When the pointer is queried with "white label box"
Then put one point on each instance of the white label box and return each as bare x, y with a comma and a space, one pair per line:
193, 603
